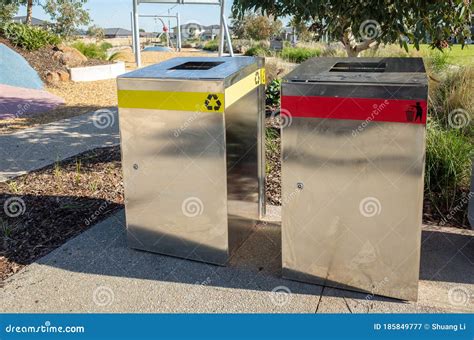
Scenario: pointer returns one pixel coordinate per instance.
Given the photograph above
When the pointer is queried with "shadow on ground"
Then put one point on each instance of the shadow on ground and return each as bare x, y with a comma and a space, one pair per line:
256, 265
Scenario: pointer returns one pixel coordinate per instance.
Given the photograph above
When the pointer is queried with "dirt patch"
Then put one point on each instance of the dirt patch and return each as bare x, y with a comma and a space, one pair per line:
49, 206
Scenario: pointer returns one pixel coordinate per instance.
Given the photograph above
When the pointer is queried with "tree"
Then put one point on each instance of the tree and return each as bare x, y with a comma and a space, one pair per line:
257, 27
301, 29
7, 11
29, 11
363, 24
7, 6
96, 32
68, 14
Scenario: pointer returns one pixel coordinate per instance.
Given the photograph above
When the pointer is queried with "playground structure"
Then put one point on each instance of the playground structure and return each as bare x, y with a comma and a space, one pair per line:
224, 33
165, 28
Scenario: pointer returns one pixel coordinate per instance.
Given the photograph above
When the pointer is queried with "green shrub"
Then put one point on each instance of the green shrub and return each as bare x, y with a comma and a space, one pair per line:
105, 46
450, 141
259, 50
29, 37
448, 167
273, 93
211, 45
452, 102
437, 60
299, 54
92, 51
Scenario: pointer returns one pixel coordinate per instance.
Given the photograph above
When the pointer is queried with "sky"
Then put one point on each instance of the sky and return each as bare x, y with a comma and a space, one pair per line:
116, 13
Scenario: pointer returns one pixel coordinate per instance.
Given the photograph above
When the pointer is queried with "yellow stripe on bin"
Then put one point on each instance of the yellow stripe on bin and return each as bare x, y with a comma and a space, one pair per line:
176, 101
236, 91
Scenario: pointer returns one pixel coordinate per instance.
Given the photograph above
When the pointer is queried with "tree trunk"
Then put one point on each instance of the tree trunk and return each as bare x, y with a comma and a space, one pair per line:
29, 12
353, 48
351, 52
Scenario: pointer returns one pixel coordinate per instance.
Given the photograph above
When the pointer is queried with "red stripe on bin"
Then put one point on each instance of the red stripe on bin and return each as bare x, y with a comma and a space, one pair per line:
369, 109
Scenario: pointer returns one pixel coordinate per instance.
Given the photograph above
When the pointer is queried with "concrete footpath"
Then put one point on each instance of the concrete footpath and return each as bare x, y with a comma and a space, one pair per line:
34, 148
96, 272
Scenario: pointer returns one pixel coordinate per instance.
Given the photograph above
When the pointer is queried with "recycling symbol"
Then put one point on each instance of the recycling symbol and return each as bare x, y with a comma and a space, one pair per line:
212, 102
257, 78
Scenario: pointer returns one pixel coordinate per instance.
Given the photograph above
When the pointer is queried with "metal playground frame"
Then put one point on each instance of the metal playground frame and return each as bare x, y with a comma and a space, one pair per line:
224, 29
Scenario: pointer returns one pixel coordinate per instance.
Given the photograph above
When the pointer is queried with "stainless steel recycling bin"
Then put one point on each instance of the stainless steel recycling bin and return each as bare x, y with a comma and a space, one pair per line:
193, 155
353, 152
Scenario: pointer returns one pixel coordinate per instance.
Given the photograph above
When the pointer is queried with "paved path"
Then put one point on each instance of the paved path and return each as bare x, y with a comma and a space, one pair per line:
34, 148
19, 101
96, 272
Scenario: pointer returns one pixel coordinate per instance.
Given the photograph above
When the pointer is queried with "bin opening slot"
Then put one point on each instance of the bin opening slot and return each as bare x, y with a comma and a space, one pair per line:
197, 65
358, 67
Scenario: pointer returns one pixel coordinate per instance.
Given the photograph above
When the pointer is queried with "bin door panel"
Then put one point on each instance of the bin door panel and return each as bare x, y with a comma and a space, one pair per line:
175, 182
356, 223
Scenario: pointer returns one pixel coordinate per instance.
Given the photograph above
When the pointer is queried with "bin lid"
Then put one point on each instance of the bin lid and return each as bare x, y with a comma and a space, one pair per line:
360, 70
194, 68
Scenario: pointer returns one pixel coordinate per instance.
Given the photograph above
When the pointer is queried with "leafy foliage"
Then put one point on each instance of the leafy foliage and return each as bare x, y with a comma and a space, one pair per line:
273, 93
68, 14
260, 50
448, 169
93, 51
95, 31
360, 24
211, 45
29, 37
7, 11
257, 27
299, 54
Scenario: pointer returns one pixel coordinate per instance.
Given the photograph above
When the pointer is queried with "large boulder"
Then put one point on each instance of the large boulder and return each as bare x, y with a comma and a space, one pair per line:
69, 56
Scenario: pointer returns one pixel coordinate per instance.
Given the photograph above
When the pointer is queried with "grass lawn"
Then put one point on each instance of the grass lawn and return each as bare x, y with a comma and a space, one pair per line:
456, 54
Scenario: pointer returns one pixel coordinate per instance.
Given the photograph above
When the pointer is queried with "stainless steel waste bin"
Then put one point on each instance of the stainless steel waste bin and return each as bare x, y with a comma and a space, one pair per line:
353, 152
192, 155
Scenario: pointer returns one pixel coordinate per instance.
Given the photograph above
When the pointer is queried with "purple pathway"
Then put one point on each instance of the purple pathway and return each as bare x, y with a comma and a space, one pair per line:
19, 101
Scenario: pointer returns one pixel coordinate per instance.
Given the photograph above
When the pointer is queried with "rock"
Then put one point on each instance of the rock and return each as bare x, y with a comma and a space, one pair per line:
63, 75
52, 77
57, 55
69, 56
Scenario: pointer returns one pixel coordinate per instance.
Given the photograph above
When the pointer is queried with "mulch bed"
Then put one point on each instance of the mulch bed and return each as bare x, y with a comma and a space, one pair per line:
273, 164
55, 204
